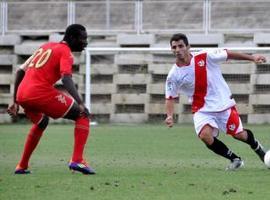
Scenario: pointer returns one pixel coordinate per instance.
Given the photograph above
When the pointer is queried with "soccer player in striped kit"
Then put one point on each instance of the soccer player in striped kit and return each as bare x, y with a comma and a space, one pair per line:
198, 76
34, 91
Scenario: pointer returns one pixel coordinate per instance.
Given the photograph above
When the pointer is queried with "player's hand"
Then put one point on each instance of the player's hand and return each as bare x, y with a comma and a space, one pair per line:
84, 111
259, 59
169, 121
13, 109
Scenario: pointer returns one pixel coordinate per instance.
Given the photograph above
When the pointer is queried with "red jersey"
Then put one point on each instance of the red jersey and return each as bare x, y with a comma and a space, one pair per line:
44, 68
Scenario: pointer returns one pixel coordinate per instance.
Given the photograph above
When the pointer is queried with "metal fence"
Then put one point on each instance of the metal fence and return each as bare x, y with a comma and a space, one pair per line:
138, 16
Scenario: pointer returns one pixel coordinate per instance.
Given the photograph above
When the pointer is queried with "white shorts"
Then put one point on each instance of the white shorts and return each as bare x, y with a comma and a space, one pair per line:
227, 121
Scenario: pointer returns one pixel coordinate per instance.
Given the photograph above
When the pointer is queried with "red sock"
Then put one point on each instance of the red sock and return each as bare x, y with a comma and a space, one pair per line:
81, 133
31, 142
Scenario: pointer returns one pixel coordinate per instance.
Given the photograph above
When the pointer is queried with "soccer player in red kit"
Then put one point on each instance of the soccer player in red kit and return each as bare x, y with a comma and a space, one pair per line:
34, 90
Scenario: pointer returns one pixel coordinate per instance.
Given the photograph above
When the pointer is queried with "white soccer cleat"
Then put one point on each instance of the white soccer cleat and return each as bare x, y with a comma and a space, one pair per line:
237, 163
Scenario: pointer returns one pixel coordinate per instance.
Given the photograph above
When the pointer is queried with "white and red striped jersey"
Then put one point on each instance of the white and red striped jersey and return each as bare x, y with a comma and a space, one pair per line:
202, 82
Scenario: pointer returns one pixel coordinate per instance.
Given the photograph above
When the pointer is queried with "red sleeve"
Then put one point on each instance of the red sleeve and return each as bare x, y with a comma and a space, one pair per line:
66, 62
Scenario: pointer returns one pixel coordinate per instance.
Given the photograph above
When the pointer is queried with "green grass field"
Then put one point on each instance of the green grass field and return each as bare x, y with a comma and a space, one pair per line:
132, 162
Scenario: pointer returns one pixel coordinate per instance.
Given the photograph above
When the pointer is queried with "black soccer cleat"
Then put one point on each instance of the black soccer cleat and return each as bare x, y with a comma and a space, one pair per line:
81, 167
20, 170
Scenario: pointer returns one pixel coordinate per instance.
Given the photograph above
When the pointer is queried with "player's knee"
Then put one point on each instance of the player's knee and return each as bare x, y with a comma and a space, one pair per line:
206, 137
44, 122
243, 135
74, 112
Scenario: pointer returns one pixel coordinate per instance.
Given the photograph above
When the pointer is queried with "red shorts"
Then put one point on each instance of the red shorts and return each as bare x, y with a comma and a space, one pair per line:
55, 104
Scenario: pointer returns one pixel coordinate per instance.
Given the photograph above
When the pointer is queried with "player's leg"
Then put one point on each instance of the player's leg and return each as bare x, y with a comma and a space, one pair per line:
207, 130
81, 131
40, 123
215, 145
248, 137
235, 128
81, 134
61, 105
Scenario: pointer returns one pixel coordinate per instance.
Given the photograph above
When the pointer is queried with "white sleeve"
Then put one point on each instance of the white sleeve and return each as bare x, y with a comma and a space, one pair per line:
171, 91
217, 55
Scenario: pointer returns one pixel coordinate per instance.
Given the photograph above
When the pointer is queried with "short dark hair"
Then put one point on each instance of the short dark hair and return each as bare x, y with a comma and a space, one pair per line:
73, 30
179, 36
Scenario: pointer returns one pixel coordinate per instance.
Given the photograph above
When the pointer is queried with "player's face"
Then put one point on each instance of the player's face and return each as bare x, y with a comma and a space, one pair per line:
80, 42
180, 49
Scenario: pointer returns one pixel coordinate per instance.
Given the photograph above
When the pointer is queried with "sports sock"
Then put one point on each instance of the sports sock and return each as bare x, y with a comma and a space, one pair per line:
254, 144
221, 149
81, 133
31, 142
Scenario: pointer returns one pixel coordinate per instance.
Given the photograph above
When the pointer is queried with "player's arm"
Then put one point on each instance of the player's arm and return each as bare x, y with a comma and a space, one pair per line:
66, 62
243, 56
18, 79
169, 106
14, 107
171, 95
70, 87
20, 74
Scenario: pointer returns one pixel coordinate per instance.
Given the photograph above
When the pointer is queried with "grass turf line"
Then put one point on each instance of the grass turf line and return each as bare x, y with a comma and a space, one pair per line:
132, 162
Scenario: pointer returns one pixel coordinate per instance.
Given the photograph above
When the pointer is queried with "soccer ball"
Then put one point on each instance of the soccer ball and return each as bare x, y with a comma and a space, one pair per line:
267, 159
